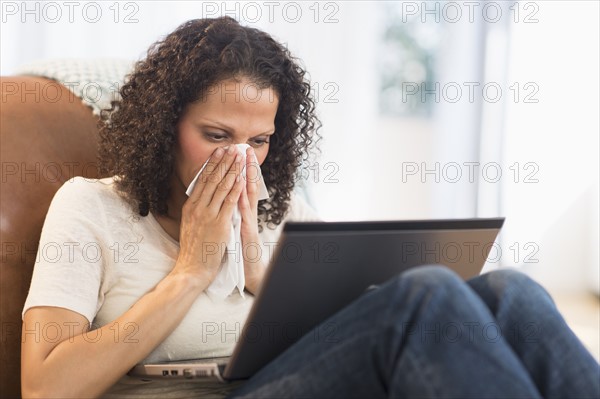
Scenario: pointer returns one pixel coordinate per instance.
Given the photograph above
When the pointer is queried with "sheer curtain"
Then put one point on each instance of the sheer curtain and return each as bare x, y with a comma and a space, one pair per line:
550, 145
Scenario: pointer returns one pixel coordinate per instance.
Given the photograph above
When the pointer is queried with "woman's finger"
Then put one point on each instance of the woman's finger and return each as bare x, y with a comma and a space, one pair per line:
243, 202
231, 199
227, 184
253, 177
211, 165
213, 179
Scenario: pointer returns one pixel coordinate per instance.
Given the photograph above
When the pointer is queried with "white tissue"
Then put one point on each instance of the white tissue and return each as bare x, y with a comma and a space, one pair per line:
231, 274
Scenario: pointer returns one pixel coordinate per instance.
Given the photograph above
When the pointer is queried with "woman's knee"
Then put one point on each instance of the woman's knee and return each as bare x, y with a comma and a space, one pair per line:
436, 279
430, 275
429, 293
503, 279
509, 284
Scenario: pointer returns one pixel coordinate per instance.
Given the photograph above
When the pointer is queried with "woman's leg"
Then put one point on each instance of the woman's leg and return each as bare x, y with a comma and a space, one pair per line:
424, 333
556, 360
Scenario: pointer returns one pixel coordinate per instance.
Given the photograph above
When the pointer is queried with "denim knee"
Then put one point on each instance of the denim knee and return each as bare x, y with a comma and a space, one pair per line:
503, 279
510, 287
508, 277
430, 276
416, 292
424, 279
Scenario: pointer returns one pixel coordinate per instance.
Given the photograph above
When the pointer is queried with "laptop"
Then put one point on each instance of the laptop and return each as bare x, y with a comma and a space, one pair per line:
320, 267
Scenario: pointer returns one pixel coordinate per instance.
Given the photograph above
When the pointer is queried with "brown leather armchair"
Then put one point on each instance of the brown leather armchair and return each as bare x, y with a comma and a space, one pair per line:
46, 137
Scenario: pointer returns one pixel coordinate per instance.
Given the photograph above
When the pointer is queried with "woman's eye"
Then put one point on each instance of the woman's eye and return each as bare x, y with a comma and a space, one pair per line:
216, 137
259, 142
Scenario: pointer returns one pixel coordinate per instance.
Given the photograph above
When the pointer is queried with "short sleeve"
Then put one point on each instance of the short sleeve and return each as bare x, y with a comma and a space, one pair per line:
69, 264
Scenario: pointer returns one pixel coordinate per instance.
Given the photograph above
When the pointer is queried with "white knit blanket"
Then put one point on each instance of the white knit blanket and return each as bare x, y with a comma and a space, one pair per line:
95, 81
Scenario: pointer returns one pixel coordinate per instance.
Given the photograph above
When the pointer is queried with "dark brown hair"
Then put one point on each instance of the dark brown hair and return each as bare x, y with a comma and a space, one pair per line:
138, 132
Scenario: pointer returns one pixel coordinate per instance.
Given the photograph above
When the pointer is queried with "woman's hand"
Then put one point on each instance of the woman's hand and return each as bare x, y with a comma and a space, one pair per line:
206, 216
50, 366
254, 268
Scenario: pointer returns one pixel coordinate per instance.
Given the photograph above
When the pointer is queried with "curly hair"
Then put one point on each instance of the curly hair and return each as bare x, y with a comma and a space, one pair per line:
138, 132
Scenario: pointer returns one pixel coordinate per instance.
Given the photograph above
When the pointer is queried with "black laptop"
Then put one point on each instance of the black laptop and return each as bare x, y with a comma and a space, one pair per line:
320, 267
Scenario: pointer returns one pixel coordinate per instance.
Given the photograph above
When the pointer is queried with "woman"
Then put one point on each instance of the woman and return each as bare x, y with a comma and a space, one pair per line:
132, 285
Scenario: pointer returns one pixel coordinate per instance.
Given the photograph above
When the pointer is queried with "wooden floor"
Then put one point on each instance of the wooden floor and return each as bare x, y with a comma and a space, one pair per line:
582, 313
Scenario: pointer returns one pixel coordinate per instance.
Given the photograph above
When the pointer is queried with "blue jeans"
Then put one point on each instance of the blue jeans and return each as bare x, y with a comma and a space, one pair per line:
428, 334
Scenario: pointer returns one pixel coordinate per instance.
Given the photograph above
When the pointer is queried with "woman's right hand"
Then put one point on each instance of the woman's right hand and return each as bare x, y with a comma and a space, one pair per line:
206, 216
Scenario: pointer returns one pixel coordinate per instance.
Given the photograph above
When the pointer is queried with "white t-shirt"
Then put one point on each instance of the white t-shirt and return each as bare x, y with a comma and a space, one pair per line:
98, 257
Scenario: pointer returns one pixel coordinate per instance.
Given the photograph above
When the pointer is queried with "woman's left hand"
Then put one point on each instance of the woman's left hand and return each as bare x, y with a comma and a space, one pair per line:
254, 268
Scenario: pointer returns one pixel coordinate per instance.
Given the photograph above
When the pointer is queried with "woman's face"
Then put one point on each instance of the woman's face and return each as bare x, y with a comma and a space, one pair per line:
232, 112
